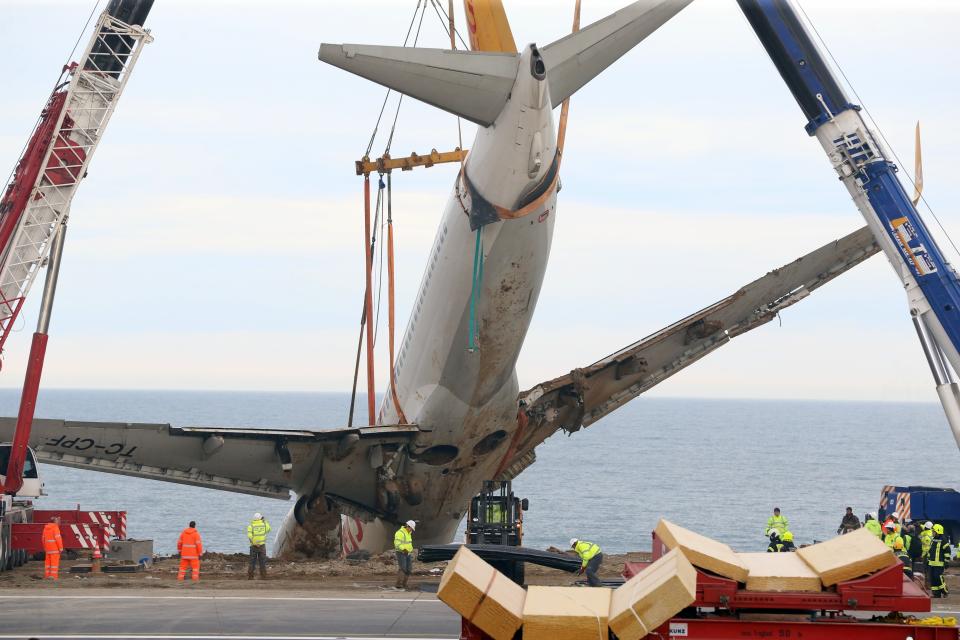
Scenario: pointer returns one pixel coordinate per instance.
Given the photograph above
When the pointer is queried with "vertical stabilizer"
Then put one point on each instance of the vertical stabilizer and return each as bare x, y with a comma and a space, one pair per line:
488, 26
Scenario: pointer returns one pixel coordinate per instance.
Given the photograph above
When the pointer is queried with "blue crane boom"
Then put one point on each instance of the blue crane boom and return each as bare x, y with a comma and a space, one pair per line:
866, 169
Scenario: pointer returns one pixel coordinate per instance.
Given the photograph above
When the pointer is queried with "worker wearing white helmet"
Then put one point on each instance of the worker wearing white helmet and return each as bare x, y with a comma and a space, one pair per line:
403, 545
590, 559
257, 532
926, 539
871, 524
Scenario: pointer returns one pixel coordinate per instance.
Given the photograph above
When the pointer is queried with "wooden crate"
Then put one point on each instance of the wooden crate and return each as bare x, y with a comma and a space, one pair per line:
482, 595
566, 613
779, 572
847, 557
653, 596
702, 551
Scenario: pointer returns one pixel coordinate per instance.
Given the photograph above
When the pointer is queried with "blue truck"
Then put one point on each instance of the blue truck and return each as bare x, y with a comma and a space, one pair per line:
923, 503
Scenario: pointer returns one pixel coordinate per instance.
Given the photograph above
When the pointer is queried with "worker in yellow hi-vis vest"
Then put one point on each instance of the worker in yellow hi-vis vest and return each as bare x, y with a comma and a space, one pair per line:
591, 557
257, 532
403, 545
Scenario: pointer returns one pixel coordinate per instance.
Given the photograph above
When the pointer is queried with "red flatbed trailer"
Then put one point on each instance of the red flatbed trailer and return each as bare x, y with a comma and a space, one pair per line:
113, 522
724, 610
76, 537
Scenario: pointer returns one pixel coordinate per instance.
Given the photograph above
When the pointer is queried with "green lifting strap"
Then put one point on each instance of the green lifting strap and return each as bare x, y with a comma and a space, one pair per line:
475, 290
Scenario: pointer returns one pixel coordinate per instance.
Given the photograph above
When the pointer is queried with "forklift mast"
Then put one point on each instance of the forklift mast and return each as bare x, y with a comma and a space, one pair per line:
496, 515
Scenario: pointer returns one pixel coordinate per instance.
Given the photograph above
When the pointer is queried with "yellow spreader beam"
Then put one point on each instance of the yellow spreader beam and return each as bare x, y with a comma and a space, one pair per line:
386, 164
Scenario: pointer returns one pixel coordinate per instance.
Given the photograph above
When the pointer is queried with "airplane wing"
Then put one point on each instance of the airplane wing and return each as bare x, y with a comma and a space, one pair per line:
261, 462
585, 395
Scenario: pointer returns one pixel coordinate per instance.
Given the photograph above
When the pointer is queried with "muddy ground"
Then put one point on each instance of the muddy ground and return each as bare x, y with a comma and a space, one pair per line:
229, 572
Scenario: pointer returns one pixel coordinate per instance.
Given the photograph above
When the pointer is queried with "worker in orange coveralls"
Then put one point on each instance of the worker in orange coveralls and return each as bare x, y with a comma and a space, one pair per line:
52, 548
190, 547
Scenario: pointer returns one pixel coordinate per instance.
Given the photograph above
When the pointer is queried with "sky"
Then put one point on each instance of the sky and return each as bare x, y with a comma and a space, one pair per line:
217, 241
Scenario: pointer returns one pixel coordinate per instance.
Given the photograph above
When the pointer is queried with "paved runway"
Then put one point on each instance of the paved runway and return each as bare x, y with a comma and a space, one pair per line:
116, 615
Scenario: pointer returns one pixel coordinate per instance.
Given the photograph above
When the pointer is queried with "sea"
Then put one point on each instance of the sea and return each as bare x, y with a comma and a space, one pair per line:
718, 467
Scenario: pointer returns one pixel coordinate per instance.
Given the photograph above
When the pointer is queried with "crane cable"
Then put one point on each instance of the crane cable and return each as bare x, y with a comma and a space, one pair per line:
876, 125
367, 318
386, 96
396, 115
391, 302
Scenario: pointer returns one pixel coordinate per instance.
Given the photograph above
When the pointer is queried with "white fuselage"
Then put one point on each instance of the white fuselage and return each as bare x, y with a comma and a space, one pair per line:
458, 396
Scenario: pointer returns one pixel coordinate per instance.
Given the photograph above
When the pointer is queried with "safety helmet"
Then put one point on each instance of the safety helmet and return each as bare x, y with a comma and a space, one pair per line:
928, 525
573, 542
774, 533
873, 515
888, 526
258, 516
411, 524
938, 529
787, 536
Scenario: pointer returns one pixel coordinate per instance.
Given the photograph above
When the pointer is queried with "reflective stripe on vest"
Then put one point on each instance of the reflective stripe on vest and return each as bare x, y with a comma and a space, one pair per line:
936, 553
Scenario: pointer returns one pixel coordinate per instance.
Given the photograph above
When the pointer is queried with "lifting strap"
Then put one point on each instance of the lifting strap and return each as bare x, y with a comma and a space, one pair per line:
390, 304
475, 289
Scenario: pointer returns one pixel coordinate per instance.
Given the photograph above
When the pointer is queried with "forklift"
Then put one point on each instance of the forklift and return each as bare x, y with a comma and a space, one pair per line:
495, 517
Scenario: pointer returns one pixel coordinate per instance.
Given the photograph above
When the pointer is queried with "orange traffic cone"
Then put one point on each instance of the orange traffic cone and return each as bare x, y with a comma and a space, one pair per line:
95, 565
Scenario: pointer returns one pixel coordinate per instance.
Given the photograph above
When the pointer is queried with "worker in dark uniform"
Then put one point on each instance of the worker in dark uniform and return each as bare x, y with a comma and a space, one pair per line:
591, 558
849, 523
903, 556
913, 545
776, 546
937, 558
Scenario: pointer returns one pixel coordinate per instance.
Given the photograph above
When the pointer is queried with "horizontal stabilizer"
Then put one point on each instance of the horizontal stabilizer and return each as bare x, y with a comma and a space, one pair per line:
575, 60
472, 85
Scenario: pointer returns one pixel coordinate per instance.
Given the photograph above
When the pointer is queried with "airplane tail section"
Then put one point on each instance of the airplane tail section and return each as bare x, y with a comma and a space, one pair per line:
489, 27
578, 58
476, 85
